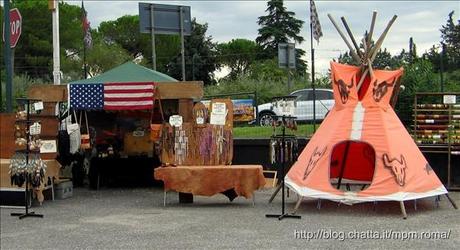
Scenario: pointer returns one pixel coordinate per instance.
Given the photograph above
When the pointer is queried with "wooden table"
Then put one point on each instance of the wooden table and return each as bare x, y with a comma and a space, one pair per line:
211, 180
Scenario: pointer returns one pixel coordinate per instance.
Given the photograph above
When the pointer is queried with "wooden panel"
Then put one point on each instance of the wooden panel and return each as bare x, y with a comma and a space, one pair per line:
7, 145
180, 90
186, 109
48, 92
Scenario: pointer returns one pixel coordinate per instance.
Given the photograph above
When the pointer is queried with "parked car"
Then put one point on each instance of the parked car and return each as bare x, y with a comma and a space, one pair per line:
304, 108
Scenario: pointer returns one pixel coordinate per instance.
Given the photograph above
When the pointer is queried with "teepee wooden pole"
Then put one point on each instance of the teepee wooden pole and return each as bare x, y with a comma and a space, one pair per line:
352, 52
371, 30
403, 209
377, 46
363, 76
371, 70
350, 34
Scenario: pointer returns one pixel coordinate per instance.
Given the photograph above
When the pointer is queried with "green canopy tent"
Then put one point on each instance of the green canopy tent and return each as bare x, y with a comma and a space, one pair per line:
128, 72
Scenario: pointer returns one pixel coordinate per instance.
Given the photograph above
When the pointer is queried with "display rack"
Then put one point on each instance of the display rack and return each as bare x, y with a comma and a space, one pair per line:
283, 121
27, 152
436, 127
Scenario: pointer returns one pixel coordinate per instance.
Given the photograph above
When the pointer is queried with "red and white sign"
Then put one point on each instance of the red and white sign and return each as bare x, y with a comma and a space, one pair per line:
15, 27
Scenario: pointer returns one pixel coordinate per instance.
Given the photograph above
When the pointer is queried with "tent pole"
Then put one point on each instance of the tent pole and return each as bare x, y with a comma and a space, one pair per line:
451, 201
403, 209
345, 155
299, 201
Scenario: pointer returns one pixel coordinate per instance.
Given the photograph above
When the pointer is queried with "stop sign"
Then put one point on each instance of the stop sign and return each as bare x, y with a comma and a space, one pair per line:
15, 27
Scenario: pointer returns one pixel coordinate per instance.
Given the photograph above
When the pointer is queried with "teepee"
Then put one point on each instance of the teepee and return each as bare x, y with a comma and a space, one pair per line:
362, 141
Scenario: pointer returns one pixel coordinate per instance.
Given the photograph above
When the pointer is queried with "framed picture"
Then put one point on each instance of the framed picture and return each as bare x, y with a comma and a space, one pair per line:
48, 146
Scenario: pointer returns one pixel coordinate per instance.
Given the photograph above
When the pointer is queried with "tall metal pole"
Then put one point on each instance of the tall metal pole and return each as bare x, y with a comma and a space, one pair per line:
288, 69
7, 58
56, 46
182, 49
313, 76
152, 35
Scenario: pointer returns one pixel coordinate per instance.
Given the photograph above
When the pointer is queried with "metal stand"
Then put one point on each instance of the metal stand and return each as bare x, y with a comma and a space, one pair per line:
27, 152
283, 213
27, 213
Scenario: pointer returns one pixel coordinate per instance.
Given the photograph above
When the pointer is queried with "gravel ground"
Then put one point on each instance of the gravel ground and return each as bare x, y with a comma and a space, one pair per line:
134, 218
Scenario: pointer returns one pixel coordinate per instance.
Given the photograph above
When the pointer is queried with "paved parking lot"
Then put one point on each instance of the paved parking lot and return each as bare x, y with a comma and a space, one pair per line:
134, 218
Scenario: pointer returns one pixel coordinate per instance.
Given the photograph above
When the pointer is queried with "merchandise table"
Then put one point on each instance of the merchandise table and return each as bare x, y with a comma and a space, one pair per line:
232, 181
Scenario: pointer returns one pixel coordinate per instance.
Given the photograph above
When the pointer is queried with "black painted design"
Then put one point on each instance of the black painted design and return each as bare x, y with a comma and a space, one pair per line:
398, 168
344, 90
314, 158
381, 89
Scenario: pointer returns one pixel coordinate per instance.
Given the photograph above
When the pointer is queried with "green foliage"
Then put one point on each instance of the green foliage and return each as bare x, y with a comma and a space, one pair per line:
21, 84
238, 55
265, 88
450, 55
200, 56
33, 54
450, 34
280, 26
125, 32
417, 77
265, 132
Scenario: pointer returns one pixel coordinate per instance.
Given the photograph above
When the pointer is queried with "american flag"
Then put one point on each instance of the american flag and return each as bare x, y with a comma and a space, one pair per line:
314, 21
112, 96
128, 96
86, 96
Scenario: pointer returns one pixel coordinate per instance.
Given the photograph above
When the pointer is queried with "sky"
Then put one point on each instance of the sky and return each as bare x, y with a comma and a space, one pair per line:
238, 19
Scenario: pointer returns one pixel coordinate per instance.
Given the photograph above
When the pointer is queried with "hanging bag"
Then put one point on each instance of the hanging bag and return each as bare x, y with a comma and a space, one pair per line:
73, 129
156, 128
85, 138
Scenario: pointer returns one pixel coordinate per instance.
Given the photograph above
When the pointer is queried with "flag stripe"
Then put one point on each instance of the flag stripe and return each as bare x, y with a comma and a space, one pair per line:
126, 87
128, 103
127, 95
116, 91
134, 107
128, 83
128, 99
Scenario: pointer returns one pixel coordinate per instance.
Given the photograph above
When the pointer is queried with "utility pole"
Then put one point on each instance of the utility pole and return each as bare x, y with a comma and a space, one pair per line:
7, 58
53, 5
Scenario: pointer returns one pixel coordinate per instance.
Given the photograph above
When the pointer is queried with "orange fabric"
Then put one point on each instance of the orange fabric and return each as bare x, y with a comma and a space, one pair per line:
211, 180
372, 121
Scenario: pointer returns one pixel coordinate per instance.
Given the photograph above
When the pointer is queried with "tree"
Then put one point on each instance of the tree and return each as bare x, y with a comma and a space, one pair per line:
450, 34
33, 54
125, 31
238, 55
200, 56
280, 26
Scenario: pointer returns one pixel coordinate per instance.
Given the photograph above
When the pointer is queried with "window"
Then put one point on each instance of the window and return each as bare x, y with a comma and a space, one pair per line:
324, 95
304, 95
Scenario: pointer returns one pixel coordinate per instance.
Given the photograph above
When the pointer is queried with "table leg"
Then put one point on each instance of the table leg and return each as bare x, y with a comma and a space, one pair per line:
253, 200
164, 198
